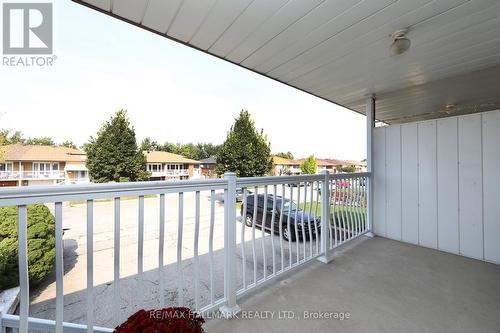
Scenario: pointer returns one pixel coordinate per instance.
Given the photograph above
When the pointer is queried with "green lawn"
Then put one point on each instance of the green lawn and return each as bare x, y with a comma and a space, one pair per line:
342, 214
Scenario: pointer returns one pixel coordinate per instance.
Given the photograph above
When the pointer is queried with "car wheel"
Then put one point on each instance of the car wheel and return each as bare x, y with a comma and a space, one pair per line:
288, 235
249, 221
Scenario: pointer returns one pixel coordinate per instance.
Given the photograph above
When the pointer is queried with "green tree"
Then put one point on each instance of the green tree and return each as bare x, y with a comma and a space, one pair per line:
194, 151
113, 155
287, 155
69, 144
41, 141
6, 138
41, 245
246, 151
190, 150
169, 147
17, 137
208, 150
309, 165
348, 168
149, 145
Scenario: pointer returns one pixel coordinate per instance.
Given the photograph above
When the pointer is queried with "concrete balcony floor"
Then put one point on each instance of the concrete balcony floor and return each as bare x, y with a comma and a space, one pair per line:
385, 286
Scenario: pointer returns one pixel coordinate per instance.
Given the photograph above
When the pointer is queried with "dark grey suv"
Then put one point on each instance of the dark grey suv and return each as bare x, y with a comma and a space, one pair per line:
292, 217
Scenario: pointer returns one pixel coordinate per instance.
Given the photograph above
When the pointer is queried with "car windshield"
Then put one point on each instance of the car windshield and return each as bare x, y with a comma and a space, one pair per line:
287, 203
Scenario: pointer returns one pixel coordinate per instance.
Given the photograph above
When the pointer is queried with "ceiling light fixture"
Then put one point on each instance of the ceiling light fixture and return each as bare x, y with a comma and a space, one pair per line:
401, 44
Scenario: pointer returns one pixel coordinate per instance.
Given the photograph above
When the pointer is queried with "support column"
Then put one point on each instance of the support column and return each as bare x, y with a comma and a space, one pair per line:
326, 227
370, 125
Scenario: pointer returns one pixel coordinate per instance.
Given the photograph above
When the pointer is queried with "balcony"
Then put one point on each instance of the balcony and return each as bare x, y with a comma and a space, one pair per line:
20, 175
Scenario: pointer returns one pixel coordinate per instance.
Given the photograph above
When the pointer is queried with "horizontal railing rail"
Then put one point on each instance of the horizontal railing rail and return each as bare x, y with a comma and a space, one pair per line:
282, 223
14, 196
32, 174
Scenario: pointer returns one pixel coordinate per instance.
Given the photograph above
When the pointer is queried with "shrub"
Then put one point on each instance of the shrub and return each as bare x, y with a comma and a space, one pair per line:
41, 245
167, 320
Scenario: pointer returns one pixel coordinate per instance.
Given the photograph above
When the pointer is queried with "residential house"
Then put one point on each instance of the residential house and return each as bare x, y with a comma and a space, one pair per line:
207, 167
283, 166
165, 166
333, 165
324, 164
23, 165
359, 166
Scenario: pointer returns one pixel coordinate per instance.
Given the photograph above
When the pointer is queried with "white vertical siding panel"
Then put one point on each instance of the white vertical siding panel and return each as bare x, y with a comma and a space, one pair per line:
427, 184
409, 183
379, 182
470, 186
447, 178
441, 178
491, 183
393, 181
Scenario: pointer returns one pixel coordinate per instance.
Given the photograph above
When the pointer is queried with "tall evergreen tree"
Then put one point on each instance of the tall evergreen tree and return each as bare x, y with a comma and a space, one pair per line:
246, 151
114, 155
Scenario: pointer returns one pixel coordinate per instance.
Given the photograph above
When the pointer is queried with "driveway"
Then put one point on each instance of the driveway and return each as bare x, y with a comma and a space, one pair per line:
75, 258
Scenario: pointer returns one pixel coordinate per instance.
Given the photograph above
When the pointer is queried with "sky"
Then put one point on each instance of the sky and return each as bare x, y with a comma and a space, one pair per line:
171, 92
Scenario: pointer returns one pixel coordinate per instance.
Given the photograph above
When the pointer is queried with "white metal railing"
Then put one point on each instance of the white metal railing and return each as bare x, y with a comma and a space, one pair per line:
15, 175
282, 223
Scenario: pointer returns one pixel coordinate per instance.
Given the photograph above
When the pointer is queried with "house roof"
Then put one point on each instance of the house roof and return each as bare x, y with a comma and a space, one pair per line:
283, 161
165, 157
326, 162
357, 163
19, 152
332, 161
210, 160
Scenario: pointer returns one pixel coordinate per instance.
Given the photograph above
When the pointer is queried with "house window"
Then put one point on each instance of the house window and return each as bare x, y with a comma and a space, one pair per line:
81, 175
45, 167
174, 166
6, 167
154, 167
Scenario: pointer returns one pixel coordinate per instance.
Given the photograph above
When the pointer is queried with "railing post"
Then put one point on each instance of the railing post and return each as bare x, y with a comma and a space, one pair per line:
370, 125
325, 219
230, 309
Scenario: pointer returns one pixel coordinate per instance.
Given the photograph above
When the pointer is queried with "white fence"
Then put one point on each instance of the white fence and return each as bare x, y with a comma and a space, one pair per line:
282, 223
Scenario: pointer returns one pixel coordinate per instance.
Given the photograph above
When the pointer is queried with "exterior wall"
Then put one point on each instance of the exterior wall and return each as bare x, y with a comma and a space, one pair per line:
41, 182
436, 184
208, 171
280, 169
27, 166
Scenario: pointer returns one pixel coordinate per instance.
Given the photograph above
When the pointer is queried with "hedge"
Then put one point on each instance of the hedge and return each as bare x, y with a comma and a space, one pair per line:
41, 245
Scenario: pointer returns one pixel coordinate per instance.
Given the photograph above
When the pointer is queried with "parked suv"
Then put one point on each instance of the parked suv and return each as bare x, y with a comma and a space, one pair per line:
299, 218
